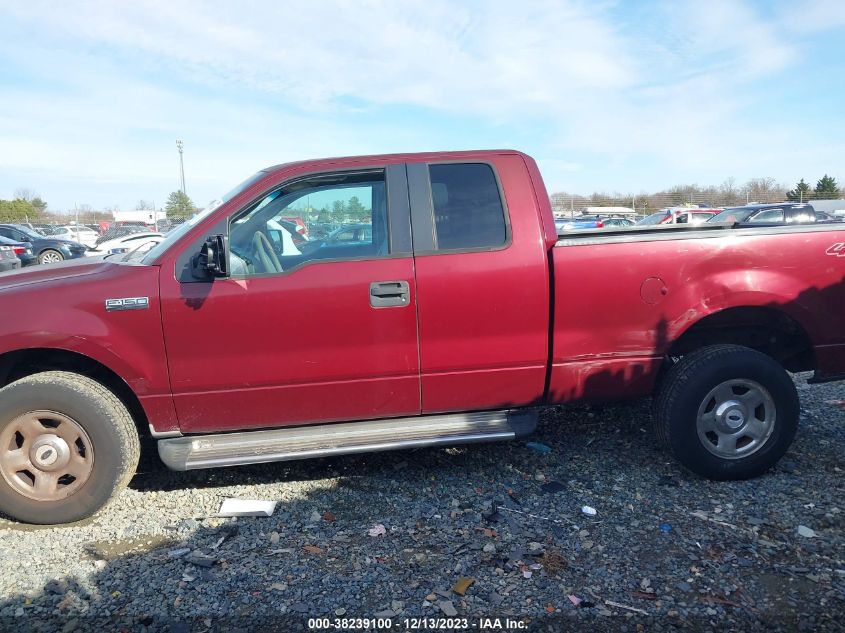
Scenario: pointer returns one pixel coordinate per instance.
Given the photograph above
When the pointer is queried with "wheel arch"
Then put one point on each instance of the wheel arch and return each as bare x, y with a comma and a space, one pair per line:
765, 328
18, 364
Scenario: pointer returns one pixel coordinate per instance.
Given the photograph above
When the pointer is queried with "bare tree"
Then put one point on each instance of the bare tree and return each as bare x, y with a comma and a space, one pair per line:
729, 191
763, 190
23, 193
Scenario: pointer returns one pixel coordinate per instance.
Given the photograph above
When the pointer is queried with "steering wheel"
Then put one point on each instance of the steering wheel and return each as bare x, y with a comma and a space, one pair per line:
265, 253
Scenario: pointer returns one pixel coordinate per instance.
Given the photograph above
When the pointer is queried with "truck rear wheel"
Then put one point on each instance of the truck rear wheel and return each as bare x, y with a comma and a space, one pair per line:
727, 412
67, 445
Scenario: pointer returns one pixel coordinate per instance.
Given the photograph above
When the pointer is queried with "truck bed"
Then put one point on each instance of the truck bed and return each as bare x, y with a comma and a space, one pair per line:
625, 299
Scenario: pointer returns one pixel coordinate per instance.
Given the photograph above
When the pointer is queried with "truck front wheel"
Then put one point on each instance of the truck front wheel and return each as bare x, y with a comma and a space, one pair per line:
727, 412
67, 445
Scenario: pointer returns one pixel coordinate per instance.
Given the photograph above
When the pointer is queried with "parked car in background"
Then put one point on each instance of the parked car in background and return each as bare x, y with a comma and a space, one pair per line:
127, 243
300, 228
835, 208
351, 234
48, 249
43, 229
120, 230
285, 237
164, 225
609, 211
773, 213
579, 222
344, 235
823, 217
587, 221
22, 250
618, 222
8, 261
81, 234
678, 215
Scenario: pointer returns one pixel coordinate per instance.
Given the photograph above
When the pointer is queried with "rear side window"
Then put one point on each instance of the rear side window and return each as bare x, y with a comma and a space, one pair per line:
468, 210
768, 215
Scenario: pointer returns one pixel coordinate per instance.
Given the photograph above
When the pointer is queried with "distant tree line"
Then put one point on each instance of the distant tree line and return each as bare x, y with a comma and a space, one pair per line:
339, 212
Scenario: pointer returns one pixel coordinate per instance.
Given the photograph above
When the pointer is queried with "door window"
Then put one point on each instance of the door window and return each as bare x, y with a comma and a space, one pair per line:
325, 217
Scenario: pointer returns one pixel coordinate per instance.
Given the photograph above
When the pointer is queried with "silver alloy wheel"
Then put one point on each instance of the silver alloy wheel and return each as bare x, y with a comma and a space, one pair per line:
45, 455
736, 419
50, 257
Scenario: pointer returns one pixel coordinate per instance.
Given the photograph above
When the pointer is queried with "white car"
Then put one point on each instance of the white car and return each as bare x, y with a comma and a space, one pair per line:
83, 234
119, 245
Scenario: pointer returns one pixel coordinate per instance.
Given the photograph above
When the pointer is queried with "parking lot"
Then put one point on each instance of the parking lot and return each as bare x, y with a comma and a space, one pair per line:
675, 551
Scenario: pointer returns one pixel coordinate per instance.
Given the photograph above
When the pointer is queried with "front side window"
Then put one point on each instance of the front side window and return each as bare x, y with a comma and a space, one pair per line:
325, 217
468, 210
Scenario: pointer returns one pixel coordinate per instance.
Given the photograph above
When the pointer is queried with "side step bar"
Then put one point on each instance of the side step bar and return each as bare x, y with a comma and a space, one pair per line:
301, 442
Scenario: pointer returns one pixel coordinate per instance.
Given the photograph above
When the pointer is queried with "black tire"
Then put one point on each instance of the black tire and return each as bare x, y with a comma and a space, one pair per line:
681, 396
108, 425
49, 253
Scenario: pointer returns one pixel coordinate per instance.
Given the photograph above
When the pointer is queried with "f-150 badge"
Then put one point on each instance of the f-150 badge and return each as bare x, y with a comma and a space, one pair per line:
130, 303
837, 250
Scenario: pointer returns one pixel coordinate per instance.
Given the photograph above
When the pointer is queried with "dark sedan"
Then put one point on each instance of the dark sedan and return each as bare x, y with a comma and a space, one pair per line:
46, 249
22, 250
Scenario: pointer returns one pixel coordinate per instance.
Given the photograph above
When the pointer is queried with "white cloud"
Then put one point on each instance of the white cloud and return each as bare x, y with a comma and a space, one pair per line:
592, 89
483, 57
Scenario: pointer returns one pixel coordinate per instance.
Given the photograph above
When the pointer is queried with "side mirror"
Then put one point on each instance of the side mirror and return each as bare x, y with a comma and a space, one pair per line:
212, 260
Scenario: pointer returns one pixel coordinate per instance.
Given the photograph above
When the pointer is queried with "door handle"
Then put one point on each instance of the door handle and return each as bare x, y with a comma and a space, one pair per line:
386, 294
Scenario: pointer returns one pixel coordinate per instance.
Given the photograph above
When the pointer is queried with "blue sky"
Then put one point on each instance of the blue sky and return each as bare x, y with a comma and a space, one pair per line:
627, 97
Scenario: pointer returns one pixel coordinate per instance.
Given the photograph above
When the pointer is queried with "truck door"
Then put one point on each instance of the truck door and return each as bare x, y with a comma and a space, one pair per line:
302, 331
482, 284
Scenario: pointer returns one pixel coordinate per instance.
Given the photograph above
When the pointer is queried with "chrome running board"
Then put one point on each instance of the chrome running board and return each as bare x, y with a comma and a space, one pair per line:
301, 442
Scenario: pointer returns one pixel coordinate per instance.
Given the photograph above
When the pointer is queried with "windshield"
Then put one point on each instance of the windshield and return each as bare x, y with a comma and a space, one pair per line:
736, 214
174, 235
655, 218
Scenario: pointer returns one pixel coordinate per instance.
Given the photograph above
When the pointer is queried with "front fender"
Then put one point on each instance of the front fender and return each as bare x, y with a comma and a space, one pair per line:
69, 313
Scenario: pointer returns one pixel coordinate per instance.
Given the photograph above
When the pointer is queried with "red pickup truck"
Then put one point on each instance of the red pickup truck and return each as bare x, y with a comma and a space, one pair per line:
453, 320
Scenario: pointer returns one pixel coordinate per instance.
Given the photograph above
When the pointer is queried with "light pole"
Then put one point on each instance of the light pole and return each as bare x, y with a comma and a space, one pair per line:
180, 146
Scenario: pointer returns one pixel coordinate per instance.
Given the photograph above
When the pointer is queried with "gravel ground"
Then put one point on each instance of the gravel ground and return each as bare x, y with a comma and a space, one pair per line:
683, 553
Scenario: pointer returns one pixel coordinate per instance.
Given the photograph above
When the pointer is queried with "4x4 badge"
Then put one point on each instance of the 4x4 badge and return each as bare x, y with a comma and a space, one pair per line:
837, 250
130, 303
